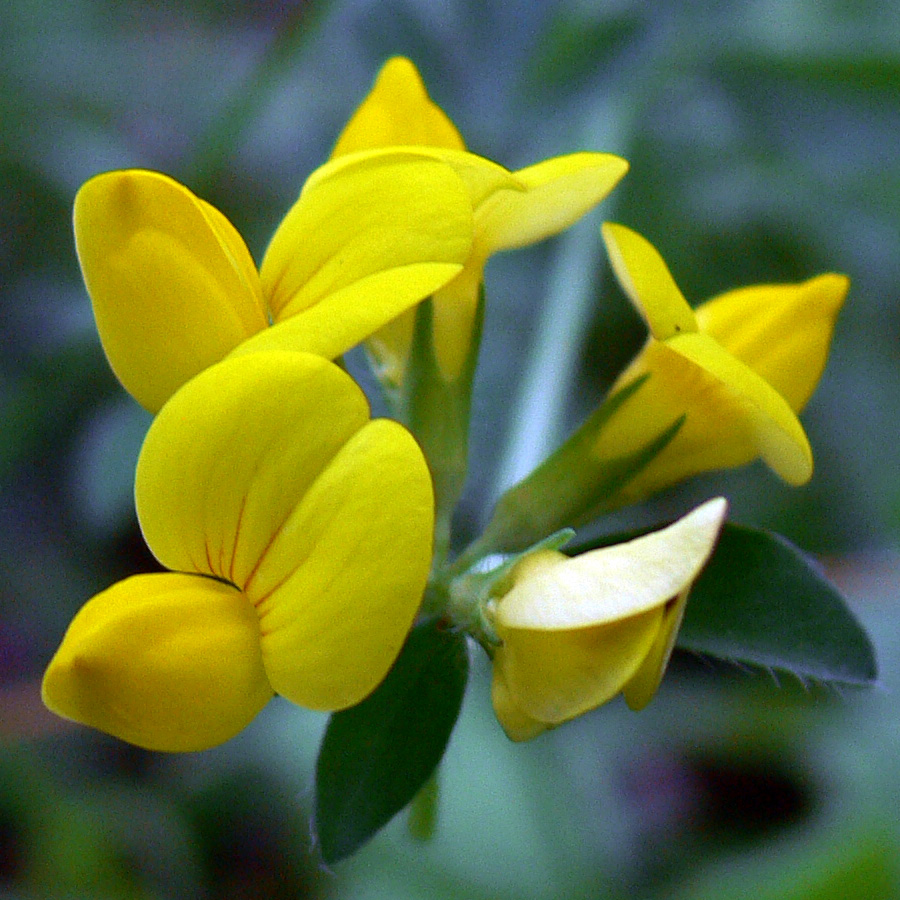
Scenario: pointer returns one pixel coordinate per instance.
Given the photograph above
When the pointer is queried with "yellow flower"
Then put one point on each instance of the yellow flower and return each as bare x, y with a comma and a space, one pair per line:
174, 288
577, 631
550, 197
298, 533
739, 369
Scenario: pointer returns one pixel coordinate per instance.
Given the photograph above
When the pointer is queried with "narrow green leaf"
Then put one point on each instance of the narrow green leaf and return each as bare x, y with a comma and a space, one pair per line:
760, 601
376, 756
569, 488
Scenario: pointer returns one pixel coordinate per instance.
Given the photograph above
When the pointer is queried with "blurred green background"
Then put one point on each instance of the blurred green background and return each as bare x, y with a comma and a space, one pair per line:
763, 141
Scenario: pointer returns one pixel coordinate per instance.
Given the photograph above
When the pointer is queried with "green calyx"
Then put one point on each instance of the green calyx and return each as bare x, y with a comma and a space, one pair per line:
472, 593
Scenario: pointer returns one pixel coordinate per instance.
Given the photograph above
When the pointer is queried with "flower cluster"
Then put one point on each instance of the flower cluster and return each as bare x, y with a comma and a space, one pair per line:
302, 538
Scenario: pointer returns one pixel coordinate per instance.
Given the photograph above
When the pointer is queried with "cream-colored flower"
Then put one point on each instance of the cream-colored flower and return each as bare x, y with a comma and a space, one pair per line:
576, 631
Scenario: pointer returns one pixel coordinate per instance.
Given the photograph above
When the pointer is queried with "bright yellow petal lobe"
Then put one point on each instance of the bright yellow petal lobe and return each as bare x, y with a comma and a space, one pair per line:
533, 204
646, 280
165, 661
739, 382
342, 581
173, 286
577, 631
395, 225
398, 110
558, 193
777, 433
723, 427
481, 176
352, 314
227, 460
265, 470
781, 331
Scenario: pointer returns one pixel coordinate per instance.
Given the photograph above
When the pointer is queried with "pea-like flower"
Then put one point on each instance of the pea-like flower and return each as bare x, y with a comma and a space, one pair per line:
738, 368
551, 196
175, 289
298, 533
577, 631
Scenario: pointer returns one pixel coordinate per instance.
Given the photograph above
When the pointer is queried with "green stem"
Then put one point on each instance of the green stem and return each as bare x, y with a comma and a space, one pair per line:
437, 413
423, 810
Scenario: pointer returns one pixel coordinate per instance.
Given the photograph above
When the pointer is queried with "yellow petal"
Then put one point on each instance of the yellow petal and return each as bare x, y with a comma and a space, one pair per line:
398, 110
577, 631
232, 453
348, 316
777, 432
639, 691
548, 198
266, 471
558, 192
732, 417
481, 176
781, 331
455, 302
453, 321
554, 676
167, 662
646, 280
342, 581
378, 220
173, 285
517, 724
389, 349
553, 592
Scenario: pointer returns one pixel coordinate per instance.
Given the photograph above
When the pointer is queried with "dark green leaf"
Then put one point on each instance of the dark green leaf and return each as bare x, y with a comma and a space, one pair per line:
760, 601
376, 756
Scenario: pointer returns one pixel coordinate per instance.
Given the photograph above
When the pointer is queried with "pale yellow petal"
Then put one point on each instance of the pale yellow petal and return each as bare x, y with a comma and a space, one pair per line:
639, 691
554, 676
166, 661
397, 110
376, 214
233, 452
646, 280
558, 192
517, 724
781, 331
389, 349
552, 592
342, 580
172, 283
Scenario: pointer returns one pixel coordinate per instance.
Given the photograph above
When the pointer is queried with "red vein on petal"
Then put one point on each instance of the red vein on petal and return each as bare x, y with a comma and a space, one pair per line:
255, 570
237, 535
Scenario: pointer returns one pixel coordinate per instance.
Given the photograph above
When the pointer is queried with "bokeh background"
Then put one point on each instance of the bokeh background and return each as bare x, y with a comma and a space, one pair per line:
763, 140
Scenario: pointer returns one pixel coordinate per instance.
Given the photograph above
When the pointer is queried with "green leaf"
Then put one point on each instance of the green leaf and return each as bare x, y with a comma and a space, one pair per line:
760, 601
376, 756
